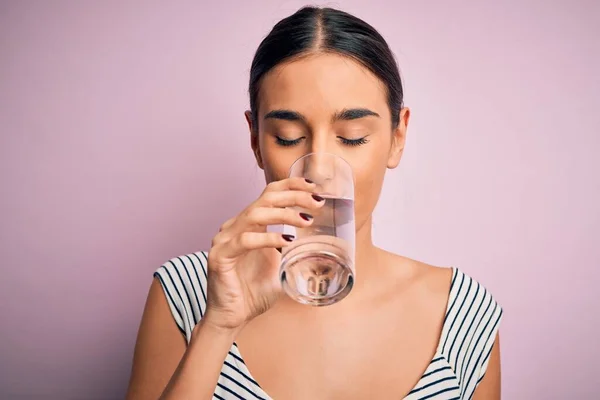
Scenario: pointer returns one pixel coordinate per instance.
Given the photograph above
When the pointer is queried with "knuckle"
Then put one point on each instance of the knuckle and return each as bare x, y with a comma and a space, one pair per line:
270, 186
305, 198
269, 197
211, 259
274, 237
215, 240
226, 224
244, 239
253, 214
291, 215
220, 238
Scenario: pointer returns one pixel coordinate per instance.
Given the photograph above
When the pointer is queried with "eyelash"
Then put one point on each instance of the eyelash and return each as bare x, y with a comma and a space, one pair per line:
354, 142
287, 143
347, 142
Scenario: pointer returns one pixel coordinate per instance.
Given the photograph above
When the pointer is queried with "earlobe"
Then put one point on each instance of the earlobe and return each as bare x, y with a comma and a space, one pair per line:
254, 139
398, 139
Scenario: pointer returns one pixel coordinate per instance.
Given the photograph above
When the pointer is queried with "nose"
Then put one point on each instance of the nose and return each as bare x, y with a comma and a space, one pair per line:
320, 167
331, 174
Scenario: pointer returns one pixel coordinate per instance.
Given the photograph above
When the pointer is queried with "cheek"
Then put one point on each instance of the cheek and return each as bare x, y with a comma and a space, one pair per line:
276, 162
368, 180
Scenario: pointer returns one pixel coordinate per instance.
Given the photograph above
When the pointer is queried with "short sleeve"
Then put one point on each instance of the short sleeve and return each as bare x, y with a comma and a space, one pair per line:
489, 338
483, 337
470, 330
184, 280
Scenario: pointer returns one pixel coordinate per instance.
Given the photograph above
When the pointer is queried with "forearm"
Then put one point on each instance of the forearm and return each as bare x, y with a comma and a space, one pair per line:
198, 372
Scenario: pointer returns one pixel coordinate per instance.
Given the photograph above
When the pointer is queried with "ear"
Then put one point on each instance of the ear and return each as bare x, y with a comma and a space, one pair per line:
254, 139
398, 139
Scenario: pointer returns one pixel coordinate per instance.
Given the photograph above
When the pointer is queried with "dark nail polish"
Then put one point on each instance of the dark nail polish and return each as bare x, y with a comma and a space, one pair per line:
308, 181
317, 197
287, 237
306, 217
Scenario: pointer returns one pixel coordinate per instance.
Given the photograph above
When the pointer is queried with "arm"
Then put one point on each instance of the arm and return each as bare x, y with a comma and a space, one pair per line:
489, 387
161, 362
242, 284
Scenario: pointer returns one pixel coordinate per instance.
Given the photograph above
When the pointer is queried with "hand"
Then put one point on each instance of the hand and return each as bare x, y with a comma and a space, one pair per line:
243, 262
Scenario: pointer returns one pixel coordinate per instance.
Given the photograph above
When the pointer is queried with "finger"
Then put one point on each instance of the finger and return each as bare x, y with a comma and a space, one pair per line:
220, 238
291, 198
247, 241
264, 216
295, 183
227, 224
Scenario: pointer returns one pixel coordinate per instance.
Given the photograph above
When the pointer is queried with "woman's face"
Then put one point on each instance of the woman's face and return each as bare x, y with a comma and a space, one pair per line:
328, 103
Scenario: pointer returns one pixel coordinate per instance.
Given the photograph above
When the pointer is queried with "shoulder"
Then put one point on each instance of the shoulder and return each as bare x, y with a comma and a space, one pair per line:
184, 281
431, 284
470, 329
470, 325
470, 299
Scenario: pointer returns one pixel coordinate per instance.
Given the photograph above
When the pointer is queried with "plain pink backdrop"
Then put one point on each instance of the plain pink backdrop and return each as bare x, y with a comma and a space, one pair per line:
123, 144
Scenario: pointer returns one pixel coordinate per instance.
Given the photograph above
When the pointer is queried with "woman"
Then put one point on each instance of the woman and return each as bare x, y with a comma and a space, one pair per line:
322, 80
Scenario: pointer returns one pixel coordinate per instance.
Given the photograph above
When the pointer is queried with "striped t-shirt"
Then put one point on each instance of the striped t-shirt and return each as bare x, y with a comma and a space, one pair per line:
460, 361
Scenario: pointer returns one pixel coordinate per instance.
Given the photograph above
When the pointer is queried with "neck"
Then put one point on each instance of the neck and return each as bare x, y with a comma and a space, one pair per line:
366, 254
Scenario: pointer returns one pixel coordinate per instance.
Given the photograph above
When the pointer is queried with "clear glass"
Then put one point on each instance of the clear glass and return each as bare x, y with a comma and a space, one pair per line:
317, 268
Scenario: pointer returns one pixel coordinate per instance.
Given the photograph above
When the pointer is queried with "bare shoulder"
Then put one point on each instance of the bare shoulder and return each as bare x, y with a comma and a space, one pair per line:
429, 282
417, 272
158, 350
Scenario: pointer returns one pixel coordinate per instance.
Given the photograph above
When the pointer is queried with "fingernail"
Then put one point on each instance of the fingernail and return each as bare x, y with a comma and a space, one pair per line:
287, 237
317, 197
306, 217
308, 181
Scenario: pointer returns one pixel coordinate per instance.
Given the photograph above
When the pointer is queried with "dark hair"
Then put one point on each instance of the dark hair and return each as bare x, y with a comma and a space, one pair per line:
311, 30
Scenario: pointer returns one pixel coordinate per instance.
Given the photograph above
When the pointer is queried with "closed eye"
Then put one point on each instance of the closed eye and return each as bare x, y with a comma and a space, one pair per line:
353, 142
286, 142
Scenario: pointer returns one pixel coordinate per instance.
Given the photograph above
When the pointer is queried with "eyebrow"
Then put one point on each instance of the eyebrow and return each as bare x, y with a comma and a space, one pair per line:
346, 114
349, 114
286, 115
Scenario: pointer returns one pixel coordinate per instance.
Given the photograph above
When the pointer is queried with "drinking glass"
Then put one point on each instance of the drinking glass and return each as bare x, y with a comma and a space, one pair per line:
317, 267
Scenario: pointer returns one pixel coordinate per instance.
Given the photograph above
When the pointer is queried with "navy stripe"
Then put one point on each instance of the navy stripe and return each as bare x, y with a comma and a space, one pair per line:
204, 265
187, 293
166, 290
218, 397
436, 359
192, 324
469, 330
451, 289
230, 391
199, 282
485, 318
237, 358
487, 356
241, 385
461, 325
477, 363
456, 316
440, 392
230, 365
462, 367
435, 371
455, 297
432, 384
192, 284
468, 381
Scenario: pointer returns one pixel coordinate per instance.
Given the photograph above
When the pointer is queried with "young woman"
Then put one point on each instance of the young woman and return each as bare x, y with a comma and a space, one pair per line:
215, 323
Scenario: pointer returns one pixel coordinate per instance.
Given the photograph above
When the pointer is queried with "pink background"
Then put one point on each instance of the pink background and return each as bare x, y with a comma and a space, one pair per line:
123, 143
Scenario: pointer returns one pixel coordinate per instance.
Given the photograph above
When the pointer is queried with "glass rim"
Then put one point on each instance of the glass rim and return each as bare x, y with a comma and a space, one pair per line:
346, 163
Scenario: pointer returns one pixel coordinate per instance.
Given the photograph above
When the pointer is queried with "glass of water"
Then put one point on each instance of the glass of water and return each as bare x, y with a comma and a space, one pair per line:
317, 268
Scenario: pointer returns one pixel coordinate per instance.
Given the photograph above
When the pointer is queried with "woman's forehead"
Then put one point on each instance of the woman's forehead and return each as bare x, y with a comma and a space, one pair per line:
327, 82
